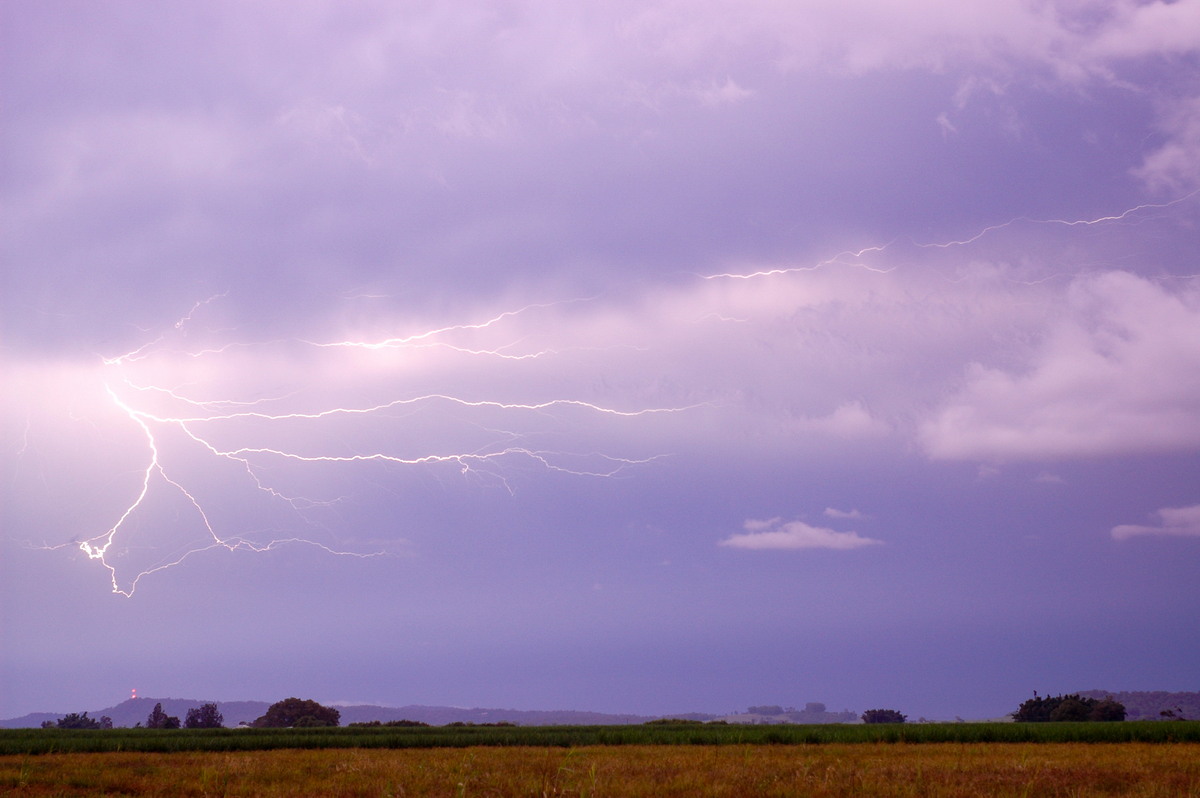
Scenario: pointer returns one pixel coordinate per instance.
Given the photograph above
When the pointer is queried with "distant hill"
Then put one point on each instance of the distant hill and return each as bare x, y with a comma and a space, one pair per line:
1147, 705
440, 716
136, 710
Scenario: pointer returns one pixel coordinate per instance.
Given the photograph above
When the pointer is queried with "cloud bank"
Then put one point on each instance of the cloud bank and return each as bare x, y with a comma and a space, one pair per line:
1173, 522
778, 534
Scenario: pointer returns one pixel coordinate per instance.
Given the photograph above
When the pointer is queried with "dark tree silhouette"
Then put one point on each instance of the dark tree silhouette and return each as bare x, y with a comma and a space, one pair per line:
80, 721
161, 720
1073, 707
883, 716
205, 716
298, 712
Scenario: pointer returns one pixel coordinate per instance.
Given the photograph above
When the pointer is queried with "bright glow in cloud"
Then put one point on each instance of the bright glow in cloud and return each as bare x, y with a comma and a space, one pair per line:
778, 534
1173, 521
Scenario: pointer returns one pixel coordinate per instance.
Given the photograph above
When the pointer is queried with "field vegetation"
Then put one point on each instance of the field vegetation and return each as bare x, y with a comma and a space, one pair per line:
933, 770
41, 741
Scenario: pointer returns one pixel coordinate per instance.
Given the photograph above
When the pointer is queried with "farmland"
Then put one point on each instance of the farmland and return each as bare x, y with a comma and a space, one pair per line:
1003, 759
1078, 770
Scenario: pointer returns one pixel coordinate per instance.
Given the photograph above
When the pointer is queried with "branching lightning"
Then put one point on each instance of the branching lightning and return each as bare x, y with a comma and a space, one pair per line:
207, 423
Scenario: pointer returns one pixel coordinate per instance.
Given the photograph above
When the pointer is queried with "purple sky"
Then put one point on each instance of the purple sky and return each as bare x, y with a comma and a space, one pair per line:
639, 356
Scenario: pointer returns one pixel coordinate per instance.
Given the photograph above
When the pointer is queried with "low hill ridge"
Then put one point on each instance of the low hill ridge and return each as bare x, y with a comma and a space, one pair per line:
1149, 704
136, 710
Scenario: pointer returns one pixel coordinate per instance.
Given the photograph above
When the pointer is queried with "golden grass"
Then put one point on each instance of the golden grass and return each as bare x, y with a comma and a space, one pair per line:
937, 770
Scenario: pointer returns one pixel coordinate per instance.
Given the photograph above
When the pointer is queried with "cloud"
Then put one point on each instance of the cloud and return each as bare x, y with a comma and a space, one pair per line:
1174, 521
1155, 28
1119, 373
848, 420
728, 92
833, 512
775, 534
1175, 166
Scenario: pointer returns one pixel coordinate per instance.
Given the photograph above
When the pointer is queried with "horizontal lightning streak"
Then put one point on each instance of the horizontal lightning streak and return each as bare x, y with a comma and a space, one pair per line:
841, 257
539, 406
1064, 222
390, 343
836, 259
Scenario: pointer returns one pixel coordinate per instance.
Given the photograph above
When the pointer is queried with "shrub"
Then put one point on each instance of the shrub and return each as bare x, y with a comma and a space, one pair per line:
1073, 707
883, 716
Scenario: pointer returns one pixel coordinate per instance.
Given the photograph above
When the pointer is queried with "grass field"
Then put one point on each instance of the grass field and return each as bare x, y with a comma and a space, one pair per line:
934, 770
39, 741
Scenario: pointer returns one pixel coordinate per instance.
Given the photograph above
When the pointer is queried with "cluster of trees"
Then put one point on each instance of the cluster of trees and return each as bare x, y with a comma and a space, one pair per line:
883, 716
296, 712
1073, 707
161, 720
79, 721
282, 714
290, 712
205, 716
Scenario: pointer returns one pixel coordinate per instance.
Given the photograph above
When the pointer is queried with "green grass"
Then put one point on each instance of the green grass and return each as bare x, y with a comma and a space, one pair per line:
42, 741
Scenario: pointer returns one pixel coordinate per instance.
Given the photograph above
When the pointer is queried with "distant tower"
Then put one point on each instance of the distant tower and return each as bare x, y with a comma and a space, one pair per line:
134, 694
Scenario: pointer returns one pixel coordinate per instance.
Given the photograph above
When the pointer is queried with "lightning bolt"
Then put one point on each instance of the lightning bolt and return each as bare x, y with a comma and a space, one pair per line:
242, 431
855, 258
206, 421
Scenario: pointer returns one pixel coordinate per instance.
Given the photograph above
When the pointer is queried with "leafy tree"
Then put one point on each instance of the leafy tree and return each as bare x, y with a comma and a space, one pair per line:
1073, 707
1108, 709
298, 712
883, 716
161, 720
78, 721
205, 716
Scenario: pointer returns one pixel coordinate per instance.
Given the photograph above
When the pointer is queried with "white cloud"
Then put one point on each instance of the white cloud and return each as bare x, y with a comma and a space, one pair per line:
727, 93
1173, 521
1119, 373
848, 420
1175, 166
775, 534
833, 512
1153, 28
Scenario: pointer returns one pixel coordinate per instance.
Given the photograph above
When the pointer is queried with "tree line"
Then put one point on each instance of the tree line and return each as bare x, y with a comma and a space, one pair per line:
291, 712
300, 713
1066, 708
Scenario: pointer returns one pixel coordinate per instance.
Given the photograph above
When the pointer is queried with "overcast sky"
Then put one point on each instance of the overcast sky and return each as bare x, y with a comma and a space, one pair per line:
640, 356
